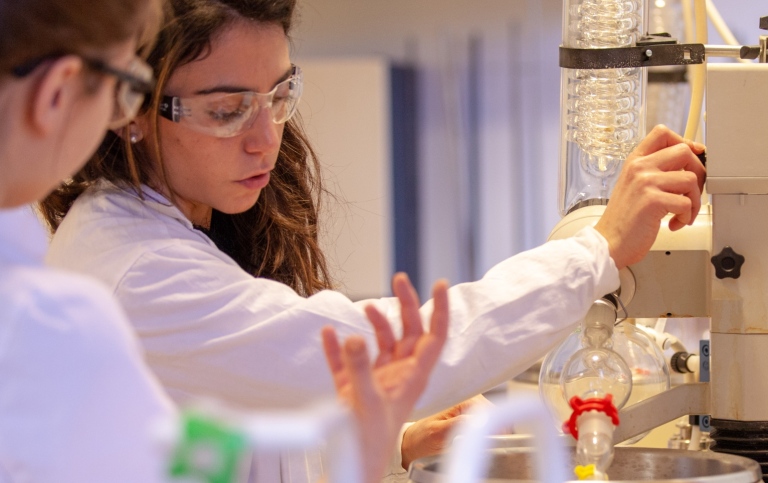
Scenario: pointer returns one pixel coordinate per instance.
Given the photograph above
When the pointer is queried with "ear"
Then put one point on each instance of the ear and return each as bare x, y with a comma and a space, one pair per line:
59, 86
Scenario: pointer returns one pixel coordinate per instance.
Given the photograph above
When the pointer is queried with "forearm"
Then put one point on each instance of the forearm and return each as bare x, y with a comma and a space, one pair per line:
519, 310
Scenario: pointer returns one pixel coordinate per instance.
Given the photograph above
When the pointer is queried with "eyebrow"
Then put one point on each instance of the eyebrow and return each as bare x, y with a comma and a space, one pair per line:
234, 89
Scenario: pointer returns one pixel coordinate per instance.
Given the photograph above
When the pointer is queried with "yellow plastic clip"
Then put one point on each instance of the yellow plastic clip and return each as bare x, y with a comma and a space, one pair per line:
584, 472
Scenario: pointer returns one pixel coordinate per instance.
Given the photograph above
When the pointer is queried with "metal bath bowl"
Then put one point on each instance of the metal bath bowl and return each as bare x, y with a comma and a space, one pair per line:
630, 465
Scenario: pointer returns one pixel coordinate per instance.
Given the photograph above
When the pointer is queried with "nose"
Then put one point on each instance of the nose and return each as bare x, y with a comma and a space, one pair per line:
263, 136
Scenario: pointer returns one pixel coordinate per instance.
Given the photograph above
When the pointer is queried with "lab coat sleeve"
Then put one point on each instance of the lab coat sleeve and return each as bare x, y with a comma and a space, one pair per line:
77, 401
209, 328
515, 314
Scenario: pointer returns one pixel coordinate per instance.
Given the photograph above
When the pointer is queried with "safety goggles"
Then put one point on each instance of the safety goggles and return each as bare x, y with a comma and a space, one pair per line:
227, 115
132, 84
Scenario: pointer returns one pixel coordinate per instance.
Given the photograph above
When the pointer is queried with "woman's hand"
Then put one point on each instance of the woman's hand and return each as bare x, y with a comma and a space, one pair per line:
427, 437
661, 176
382, 396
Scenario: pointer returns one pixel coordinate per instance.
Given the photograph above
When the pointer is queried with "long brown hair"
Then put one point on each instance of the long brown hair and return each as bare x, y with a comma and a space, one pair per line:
278, 237
36, 29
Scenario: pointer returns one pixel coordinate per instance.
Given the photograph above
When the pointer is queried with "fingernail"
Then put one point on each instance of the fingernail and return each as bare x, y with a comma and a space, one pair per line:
699, 147
356, 346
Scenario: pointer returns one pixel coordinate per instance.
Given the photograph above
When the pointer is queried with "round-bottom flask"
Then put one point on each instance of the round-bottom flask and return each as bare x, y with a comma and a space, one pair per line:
643, 358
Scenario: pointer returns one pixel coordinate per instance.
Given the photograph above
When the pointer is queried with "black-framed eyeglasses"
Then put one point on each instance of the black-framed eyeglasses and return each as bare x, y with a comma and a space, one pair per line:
133, 84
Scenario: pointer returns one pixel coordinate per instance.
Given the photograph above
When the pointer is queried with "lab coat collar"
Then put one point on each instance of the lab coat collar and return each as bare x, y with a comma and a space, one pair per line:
22, 237
151, 198
156, 202
162, 205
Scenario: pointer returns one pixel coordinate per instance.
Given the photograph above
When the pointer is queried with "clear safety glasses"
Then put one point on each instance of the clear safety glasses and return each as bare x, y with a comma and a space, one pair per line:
227, 115
132, 84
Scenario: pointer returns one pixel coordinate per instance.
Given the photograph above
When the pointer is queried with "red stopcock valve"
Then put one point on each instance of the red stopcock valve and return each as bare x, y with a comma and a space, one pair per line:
581, 406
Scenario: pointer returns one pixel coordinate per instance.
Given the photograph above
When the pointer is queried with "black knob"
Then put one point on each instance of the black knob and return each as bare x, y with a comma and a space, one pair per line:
749, 52
763, 23
728, 263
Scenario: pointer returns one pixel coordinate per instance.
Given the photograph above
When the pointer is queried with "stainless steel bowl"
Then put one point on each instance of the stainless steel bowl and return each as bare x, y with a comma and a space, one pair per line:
630, 465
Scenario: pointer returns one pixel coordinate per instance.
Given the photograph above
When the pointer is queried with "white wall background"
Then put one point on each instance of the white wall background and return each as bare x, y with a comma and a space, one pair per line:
489, 86
489, 111
356, 230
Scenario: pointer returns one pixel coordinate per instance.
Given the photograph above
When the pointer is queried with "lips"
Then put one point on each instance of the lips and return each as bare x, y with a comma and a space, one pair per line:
255, 182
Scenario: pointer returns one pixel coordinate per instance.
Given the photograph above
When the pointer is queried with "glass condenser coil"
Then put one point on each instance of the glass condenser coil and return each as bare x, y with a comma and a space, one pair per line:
603, 112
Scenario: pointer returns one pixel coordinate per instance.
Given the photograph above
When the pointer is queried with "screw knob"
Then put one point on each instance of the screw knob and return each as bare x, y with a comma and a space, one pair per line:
728, 263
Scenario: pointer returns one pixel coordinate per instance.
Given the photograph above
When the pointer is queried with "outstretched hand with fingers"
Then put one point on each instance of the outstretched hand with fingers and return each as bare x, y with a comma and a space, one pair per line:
661, 176
383, 395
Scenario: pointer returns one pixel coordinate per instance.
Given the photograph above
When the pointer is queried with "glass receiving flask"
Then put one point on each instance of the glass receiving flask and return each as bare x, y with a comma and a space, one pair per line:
600, 359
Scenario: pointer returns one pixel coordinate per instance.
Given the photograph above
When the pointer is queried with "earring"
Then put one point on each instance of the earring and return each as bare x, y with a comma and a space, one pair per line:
135, 135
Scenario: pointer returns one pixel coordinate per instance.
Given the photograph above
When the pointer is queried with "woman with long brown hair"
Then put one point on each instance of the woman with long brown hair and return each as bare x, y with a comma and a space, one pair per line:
201, 216
77, 402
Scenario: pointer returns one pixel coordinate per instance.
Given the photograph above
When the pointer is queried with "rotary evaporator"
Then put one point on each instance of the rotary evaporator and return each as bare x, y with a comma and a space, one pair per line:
609, 382
715, 269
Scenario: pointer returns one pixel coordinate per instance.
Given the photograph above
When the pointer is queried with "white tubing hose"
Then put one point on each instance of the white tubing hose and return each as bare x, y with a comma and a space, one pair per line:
689, 34
698, 73
468, 457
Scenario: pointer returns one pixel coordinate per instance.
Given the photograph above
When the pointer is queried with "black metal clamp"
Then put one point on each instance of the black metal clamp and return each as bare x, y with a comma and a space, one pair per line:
650, 51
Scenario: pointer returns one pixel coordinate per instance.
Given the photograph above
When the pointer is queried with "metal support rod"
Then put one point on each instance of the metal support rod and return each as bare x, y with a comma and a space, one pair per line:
748, 52
733, 51
656, 410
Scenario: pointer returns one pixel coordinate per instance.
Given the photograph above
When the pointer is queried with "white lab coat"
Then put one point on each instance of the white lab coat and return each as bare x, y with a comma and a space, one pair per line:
209, 328
76, 399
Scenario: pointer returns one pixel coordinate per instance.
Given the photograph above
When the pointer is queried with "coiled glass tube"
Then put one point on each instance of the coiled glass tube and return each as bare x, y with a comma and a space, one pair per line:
603, 117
